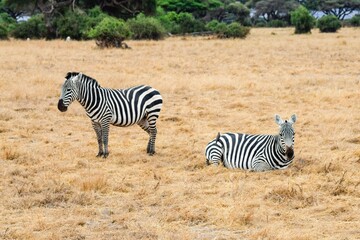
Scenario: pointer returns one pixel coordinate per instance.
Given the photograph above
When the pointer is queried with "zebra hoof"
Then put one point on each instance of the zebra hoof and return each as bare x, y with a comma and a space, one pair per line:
151, 153
100, 154
105, 155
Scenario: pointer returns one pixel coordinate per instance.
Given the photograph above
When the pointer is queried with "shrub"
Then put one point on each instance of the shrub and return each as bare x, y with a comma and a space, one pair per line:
187, 23
211, 26
181, 23
233, 30
73, 24
302, 20
33, 28
355, 20
3, 32
329, 23
168, 21
143, 27
239, 11
220, 30
110, 32
260, 23
94, 17
8, 22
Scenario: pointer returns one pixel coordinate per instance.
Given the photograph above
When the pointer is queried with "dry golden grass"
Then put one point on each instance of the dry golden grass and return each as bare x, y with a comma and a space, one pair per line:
53, 187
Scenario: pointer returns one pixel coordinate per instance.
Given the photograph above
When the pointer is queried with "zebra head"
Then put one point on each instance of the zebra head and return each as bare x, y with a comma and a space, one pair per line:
287, 135
69, 90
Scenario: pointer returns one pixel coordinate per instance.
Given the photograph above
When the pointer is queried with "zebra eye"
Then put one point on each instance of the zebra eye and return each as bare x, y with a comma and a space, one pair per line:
68, 90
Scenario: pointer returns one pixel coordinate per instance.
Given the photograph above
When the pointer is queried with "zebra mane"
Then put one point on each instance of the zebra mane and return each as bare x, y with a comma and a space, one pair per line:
84, 78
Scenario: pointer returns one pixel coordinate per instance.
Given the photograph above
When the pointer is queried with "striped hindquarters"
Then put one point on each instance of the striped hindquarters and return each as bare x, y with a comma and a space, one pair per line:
244, 151
214, 152
131, 105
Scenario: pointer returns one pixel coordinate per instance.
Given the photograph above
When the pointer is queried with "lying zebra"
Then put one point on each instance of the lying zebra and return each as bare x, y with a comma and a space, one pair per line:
120, 107
254, 152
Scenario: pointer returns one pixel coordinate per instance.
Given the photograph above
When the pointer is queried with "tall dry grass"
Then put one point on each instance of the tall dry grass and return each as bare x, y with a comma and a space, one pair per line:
53, 187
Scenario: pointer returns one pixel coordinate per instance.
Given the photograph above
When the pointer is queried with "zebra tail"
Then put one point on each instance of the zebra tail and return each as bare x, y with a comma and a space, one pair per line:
217, 137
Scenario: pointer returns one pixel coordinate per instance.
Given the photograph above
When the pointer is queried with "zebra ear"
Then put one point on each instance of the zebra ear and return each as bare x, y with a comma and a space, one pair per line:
293, 119
68, 75
278, 119
77, 77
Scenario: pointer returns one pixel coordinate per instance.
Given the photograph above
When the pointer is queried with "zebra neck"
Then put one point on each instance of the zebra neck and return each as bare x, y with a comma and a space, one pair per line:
88, 95
279, 149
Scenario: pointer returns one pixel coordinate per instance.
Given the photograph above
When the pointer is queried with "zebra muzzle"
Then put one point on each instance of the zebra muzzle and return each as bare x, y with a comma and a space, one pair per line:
61, 106
289, 152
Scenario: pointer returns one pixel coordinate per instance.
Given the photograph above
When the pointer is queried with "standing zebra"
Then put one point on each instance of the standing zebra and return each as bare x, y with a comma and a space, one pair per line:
254, 152
124, 107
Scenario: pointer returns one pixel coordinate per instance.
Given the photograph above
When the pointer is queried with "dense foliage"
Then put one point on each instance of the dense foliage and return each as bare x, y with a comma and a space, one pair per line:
328, 23
302, 20
355, 21
154, 19
33, 28
110, 32
143, 27
3, 32
7, 24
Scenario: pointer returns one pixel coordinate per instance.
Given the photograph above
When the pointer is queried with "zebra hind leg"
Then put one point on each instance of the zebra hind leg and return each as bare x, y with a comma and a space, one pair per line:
151, 143
144, 124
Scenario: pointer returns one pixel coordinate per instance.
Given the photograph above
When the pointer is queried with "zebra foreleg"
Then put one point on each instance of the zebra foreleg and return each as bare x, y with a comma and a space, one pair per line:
98, 131
105, 137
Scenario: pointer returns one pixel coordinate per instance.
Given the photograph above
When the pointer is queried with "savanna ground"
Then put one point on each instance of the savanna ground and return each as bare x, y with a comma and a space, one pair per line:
53, 187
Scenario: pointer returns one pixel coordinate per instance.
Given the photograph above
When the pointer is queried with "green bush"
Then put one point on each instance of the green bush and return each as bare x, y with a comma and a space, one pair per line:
94, 17
212, 25
355, 20
233, 30
188, 24
328, 23
277, 24
3, 32
72, 23
143, 27
181, 23
260, 23
168, 21
302, 20
33, 28
239, 11
220, 30
8, 22
77, 23
110, 32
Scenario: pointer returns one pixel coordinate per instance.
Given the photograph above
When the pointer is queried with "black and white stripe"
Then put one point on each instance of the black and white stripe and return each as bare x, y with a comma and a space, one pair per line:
120, 107
254, 152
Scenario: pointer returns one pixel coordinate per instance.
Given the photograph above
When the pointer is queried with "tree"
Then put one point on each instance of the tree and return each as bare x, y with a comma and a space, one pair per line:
275, 9
16, 8
338, 8
48, 8
238, 11
198, 8
128, 8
